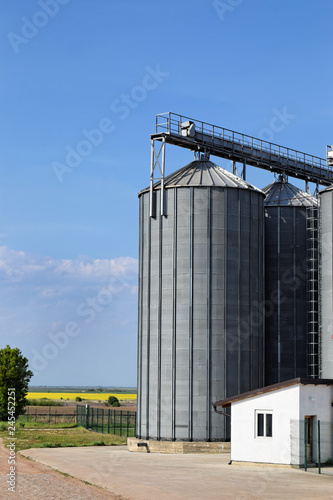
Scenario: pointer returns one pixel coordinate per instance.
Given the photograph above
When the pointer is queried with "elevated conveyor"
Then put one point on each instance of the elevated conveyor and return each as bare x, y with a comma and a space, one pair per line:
202, 137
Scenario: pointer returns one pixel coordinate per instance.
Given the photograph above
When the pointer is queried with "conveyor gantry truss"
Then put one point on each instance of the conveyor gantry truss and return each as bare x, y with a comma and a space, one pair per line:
205, 139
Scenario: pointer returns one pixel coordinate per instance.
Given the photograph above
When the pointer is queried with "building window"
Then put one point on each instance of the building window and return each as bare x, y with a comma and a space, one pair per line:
264, 423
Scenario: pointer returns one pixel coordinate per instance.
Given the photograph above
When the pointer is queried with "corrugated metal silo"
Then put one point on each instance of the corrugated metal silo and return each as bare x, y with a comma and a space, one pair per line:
326, 280
200, 334
291, 283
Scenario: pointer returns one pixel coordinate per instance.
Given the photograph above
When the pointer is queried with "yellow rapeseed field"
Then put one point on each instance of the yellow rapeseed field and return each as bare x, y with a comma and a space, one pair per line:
84, 395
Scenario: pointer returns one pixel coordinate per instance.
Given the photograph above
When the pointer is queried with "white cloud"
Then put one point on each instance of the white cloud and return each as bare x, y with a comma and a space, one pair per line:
18, 266
40, 295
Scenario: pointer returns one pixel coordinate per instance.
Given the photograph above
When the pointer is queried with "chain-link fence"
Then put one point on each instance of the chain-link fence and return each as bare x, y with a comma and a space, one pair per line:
118, 422
311, 442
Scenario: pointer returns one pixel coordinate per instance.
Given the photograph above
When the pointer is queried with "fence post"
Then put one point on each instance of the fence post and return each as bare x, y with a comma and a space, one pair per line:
87, 416
127, 424
114, 422
108, 421
319, 465
305, 444
121, 423
102, 420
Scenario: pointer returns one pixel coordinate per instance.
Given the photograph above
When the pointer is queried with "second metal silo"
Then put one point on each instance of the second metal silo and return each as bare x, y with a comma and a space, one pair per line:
200, 333
291, 283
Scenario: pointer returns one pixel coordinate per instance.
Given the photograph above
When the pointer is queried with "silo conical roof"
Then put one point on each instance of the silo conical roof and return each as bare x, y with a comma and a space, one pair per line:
203, 173
329, 188
282, 194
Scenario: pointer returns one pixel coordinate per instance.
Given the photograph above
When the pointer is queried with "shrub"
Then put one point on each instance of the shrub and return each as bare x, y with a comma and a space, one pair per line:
78, 398
3, 427
113, 401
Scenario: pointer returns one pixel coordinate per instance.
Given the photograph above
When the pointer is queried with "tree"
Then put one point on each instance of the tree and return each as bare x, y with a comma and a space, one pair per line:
14, 374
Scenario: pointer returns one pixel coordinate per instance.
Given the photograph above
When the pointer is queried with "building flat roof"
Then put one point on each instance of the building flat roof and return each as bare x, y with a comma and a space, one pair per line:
224, 403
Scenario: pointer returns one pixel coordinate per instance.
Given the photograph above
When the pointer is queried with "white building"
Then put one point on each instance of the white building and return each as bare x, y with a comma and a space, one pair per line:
267, 424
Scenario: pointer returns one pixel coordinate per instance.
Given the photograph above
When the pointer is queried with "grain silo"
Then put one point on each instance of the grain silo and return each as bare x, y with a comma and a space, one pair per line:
326, 279
200, 325
291, 283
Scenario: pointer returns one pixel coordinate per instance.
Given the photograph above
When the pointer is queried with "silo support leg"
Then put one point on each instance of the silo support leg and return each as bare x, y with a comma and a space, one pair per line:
157, 160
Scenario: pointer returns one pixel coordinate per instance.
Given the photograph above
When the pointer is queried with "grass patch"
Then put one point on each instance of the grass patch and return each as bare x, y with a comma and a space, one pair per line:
21, 423
56, 438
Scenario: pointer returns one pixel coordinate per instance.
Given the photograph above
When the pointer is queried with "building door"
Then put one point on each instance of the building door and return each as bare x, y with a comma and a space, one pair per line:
309, 437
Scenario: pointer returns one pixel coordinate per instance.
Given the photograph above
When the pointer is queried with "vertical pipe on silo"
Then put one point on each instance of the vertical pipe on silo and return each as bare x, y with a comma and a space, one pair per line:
148, 325
225, 298
294, 295
190, 423
140, 309
250, 299
174, 317
262, 276
159, 326
152, 154
208, 305
162, 176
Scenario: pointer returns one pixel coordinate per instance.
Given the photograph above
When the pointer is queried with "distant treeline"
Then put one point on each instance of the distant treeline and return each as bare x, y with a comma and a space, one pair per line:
114, 390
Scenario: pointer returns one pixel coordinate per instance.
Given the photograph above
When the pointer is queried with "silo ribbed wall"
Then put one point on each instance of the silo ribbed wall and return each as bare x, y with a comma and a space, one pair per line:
326, 278
200, 333
286, 294
290, 262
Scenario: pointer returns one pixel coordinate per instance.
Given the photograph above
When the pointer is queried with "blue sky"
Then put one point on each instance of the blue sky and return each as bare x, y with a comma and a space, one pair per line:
69, 237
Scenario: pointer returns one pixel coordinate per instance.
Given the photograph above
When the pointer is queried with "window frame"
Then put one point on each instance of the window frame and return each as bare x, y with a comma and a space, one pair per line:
263, 426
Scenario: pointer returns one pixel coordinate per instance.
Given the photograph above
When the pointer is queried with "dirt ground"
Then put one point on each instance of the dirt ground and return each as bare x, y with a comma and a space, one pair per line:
35, 481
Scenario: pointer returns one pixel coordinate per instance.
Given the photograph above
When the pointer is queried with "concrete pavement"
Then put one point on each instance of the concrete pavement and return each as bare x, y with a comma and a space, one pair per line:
152, 475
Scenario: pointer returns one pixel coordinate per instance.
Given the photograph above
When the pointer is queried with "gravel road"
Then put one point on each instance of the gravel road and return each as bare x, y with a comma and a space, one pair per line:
35, 481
